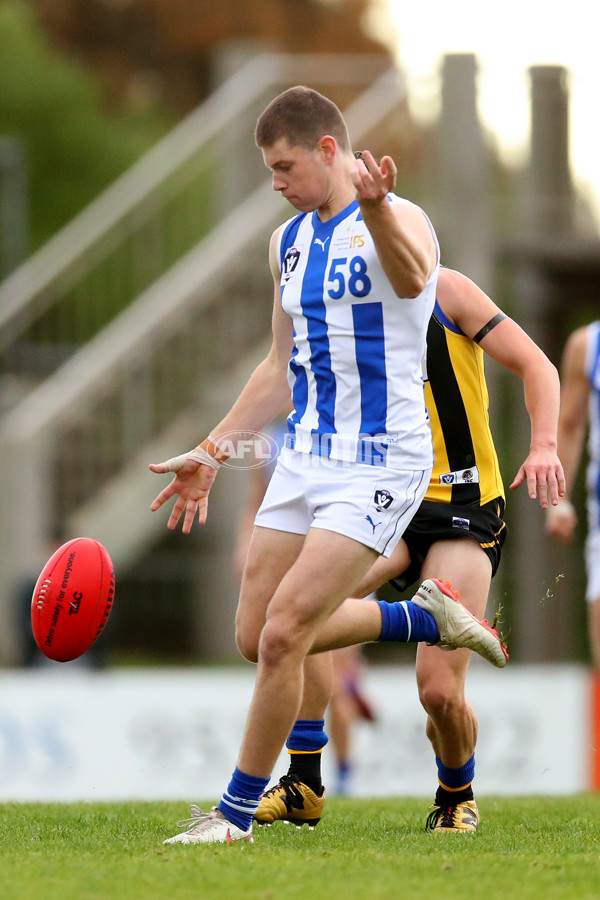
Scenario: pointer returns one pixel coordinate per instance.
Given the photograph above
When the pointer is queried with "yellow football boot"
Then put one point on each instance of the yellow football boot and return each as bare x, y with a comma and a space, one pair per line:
463, 818
290, 801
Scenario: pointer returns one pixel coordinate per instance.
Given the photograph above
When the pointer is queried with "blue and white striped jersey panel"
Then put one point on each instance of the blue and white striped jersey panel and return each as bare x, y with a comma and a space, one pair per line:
592, 368
355, 371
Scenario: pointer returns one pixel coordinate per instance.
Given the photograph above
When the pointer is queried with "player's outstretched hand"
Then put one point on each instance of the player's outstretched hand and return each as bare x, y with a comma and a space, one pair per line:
191, 485
373, 181
543, 473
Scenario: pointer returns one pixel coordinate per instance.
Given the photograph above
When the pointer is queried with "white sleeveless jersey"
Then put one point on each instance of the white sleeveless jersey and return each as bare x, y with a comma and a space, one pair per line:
355, 371
592, 368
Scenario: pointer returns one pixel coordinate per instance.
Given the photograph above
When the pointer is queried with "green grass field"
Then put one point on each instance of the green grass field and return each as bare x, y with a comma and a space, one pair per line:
369, 849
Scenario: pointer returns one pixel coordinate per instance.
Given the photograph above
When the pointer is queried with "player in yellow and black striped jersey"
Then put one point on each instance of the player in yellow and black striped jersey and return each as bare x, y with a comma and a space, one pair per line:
466, 467
466, 474
458, 531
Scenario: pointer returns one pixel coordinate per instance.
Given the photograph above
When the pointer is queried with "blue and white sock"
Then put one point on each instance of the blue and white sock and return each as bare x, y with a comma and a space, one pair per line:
240, 801
406, 622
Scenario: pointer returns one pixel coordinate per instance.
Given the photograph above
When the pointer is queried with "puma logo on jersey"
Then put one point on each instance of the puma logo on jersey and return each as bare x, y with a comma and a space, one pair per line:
322, 244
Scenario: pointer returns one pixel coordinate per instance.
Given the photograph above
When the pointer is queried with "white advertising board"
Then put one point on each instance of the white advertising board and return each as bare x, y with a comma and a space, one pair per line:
73, 734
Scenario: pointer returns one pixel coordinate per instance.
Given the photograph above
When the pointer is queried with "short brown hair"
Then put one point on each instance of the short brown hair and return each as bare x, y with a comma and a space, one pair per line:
302, 116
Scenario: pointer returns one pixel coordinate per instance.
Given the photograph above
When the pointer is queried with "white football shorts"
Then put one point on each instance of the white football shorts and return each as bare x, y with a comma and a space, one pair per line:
592, 565
371, 504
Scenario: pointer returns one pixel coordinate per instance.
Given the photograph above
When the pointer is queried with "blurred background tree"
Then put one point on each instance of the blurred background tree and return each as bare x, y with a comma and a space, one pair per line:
166, 48
73, 142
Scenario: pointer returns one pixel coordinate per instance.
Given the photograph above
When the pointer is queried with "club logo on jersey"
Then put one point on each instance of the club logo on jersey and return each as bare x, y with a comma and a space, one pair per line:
458, 522
322, 244
290, 263
464, 476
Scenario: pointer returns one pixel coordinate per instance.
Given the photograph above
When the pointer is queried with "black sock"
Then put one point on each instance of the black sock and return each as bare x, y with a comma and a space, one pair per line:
307, 767
451, 798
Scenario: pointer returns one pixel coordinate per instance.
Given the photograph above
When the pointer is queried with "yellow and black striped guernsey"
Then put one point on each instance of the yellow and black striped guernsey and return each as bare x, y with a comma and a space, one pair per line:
466, 466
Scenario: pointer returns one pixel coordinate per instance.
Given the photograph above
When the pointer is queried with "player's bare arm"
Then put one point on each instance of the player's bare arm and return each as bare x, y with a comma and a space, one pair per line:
506, 342
265, 393
571, 429
401, 232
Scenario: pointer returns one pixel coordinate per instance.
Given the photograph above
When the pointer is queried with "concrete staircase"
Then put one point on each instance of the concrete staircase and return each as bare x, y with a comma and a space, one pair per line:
128, 334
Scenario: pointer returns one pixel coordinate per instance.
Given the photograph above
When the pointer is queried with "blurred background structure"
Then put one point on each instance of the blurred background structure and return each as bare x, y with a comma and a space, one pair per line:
135, 214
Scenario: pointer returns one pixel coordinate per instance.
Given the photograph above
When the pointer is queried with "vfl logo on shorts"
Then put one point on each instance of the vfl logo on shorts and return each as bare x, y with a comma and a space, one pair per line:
458, 522
463, 476
382, 500
379, 507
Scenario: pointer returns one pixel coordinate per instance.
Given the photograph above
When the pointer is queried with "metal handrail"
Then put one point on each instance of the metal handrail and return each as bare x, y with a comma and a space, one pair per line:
20, 293
149, 319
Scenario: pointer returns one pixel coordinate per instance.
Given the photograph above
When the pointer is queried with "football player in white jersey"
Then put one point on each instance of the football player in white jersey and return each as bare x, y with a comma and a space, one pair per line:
580, 407
459, 530
354, 287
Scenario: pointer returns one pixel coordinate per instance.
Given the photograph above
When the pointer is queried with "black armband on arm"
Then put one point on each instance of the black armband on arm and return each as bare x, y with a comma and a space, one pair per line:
488, 326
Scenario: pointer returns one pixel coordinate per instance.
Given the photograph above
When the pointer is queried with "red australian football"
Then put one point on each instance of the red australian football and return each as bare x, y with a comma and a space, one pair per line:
72, 599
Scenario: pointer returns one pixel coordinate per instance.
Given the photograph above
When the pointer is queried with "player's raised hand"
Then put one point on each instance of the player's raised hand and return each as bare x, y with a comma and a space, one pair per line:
373, 181
544, 475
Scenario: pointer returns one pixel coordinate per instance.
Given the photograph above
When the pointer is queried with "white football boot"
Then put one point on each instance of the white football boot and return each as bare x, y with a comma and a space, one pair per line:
457, 626
209, 828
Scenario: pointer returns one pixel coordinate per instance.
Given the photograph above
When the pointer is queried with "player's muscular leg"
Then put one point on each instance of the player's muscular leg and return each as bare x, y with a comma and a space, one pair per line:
270, 554
451, 721
384, 569
358, 621
318, 686
327, 570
